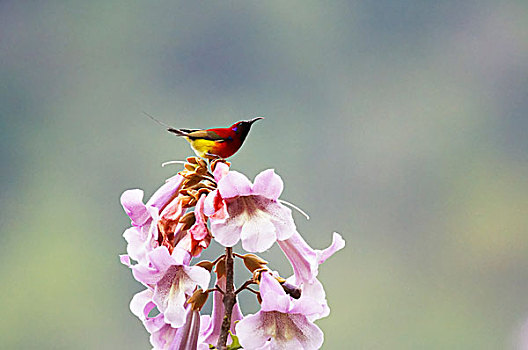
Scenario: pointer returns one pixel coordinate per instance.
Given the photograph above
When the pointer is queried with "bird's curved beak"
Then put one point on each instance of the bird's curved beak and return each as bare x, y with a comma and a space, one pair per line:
254, 120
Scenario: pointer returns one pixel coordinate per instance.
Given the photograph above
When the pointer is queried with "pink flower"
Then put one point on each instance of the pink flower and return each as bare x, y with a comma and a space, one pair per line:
165, 236
240, 210
182, 338
172, 280
141, 305
282, 322
189, 336
198, 237
142, 237
305, 262
304, 259
169, 226
314, 292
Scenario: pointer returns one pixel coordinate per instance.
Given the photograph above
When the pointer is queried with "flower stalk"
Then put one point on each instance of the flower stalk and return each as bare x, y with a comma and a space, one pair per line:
229, 299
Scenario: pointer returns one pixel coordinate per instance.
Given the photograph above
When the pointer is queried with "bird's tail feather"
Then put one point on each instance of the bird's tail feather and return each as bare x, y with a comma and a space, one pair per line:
177, 132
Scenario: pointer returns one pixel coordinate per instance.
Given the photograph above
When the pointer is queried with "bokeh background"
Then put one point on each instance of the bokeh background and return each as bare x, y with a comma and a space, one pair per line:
400, 124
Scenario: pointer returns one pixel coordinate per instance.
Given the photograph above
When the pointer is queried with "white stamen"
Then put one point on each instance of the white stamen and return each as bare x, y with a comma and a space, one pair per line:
173, 162
295, 207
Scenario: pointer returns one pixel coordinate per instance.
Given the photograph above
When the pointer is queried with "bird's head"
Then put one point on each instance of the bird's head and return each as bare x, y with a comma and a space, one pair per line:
242, 127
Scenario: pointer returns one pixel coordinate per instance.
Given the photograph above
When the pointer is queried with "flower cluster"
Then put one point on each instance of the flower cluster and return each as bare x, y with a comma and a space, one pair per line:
205, 202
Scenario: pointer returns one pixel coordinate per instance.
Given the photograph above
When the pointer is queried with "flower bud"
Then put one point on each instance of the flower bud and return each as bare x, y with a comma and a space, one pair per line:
198, 299
192, 160
208, 265
190, 167
187, 220
188, 175
192, 202
201, 163
201, 170
220, 267
193, 193
253, 262
191, 182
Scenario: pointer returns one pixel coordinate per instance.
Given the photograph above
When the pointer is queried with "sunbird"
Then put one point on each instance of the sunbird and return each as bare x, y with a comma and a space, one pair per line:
217, 142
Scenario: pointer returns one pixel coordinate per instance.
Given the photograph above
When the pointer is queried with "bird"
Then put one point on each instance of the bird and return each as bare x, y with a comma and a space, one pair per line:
217, 142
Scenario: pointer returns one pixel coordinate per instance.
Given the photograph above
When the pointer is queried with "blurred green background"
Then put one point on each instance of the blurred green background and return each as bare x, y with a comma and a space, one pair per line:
400, 124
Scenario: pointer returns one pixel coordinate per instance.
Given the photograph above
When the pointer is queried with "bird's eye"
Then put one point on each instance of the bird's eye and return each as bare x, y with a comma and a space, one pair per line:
235, 128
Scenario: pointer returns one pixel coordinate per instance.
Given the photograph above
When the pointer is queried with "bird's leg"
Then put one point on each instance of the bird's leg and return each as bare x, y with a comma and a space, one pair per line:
210, 158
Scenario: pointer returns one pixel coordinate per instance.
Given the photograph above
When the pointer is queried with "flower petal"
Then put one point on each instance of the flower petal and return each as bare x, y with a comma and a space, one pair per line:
156, 323
338, 243
227, 234
125, 260
166, 192
234, 184
303, 334
138, 244
132, 202
285, 331
187, 337
169, 296
251, 333
215, 207
314, 290
309, 307
282, 219
227, 231
302, 257
199, 230
268, 184
258, 234
198, 275
139, 304
274, 298
163, 338
180, 256
153, 269
221, 170
181, 338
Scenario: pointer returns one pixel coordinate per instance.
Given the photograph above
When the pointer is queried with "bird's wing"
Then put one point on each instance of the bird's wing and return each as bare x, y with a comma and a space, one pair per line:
205, 135
189, 130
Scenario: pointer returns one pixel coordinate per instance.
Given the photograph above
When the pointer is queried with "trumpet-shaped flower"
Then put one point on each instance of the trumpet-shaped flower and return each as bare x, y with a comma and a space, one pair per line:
142, 237
282, 322
141, 305
189, 336
240, 210
304, 259
172, 280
